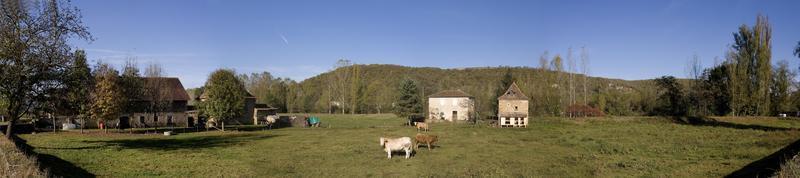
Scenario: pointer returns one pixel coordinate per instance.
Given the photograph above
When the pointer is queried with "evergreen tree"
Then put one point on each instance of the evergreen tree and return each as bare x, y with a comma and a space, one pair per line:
671, 98
409, 101
80, 84
501, 87
132, 87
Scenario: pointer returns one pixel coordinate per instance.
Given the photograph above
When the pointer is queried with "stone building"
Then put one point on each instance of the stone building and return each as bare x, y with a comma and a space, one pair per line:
175, 101
450, 105
513, 108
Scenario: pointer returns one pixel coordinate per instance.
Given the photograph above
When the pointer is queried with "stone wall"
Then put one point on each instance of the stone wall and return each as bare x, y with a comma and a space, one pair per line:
443, 108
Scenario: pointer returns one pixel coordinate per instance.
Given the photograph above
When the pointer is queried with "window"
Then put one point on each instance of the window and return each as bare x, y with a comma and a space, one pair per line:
169, 119
141, 119
155, 118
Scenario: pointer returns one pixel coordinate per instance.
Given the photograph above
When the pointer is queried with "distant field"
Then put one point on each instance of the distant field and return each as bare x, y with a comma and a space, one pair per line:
550, 147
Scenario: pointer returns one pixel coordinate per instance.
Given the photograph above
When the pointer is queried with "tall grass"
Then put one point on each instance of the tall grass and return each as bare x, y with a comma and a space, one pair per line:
14, 163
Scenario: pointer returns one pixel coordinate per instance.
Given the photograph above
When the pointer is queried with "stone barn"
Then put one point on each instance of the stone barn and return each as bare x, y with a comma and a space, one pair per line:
513, 108
174, 114
450, 105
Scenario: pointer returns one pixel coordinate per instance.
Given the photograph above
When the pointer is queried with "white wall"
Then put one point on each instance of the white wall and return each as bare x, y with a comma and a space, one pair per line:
442, 108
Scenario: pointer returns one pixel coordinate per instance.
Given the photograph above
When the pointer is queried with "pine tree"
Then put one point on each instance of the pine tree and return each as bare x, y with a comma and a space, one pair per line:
80, 84
409, 101
500, 89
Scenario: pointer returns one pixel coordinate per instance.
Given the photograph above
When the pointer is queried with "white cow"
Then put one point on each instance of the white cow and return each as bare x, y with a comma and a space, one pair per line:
397, 144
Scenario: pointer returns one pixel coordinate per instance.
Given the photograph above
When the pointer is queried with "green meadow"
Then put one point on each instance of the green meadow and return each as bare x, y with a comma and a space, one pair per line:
347, 145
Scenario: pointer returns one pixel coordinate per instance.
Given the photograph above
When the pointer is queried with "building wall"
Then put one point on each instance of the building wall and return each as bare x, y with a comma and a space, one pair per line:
247, 117
513, 106
442, 108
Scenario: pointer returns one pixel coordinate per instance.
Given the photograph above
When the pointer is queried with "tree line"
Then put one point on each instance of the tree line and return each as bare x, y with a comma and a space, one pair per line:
746, 83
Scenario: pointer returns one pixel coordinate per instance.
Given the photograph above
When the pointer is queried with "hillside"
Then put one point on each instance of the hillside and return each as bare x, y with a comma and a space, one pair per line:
372, 89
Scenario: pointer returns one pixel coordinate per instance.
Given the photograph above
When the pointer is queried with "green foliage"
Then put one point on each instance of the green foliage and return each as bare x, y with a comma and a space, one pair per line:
270, 90
132, 87
79, 85
409, 101
780, 89
500, 89
106, 98
671, 99
34, 53
752, 57
226, 95
544, 87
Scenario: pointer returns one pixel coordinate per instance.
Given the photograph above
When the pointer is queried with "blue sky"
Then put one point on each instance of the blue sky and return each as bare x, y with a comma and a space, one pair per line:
627, 39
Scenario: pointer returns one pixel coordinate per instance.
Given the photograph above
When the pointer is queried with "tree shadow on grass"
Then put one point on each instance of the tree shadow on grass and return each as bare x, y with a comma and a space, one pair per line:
62, 168
703, 121
767, 166
174, 143
55, 165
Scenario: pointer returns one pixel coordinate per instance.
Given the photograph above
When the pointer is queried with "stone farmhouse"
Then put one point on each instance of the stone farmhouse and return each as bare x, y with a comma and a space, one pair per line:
513, 108
450, 105
175, 103
177, 111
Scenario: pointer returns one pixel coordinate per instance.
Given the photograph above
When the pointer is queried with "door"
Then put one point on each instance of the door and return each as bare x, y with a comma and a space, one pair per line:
455, 116
190, 122
124, 122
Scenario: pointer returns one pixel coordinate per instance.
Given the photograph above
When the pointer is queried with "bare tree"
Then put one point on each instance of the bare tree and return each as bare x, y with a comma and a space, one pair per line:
571, 71
340, 84
156, 92
585, 72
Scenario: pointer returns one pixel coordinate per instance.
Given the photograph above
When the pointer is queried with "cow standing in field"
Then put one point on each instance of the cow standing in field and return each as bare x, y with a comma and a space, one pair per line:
396, 144
422, 126
424, 138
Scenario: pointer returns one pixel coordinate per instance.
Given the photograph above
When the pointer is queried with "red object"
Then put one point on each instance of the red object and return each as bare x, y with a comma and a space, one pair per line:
102, 125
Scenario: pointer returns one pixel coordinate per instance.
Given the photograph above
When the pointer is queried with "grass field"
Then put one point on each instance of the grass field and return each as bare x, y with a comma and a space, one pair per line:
549, 147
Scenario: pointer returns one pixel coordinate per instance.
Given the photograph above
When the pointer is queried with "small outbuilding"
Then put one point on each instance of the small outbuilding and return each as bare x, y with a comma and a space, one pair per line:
450, 105
513, 108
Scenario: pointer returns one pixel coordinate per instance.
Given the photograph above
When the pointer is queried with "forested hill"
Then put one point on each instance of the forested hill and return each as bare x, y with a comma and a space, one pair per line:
373, 88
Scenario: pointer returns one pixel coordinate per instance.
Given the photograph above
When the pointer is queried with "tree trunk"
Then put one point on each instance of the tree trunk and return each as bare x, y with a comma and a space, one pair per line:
223, 126
83, 122
10, 127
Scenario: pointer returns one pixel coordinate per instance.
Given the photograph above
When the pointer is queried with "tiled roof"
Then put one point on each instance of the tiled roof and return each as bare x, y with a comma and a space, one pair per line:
513, 93
449, 94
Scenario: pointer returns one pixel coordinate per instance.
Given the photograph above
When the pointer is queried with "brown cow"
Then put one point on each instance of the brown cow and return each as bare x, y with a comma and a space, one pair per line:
424, 138
422, 126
